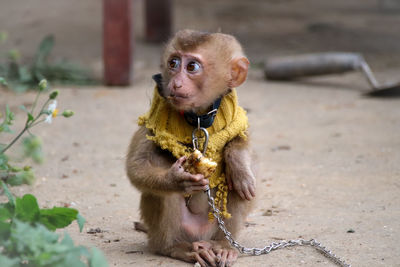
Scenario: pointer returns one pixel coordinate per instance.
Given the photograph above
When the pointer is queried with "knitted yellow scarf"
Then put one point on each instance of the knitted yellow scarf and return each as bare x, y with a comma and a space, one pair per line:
173, 133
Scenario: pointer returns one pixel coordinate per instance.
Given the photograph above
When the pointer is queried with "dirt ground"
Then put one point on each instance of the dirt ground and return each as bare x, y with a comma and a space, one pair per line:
329, 157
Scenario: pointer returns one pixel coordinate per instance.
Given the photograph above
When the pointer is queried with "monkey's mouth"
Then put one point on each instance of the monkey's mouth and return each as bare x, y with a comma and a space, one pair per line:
178, 99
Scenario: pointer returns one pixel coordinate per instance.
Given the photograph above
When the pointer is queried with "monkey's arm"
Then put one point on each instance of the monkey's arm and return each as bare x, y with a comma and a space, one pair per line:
238, 169
152, 171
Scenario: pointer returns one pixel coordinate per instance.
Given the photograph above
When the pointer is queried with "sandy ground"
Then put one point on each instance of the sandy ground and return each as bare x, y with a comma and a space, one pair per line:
329, 157
329, 162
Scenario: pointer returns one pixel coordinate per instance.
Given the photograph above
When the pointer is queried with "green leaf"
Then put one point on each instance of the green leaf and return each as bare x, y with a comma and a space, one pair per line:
30, 117
81, 221
33, 243
57, 217
3, 81
27, 209
10, 116
20, 88
33, 148
3, 160
23, 108
66, 254
15, 169
6, 211
97, 259
44, 50
10, 197
5, 128
14, 54
21, 177
39, 246
5, 231
24, 74
8, 262
67, 240
8, 120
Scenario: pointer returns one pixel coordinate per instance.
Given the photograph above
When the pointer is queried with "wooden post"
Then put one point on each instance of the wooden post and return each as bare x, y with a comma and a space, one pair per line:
158, 20
117, 42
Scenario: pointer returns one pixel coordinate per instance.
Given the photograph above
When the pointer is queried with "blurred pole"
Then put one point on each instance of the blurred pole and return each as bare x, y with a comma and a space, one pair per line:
117, 42
158, 20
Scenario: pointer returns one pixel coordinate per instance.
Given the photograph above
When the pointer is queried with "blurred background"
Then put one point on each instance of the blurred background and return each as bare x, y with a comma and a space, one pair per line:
329, 157
264, 27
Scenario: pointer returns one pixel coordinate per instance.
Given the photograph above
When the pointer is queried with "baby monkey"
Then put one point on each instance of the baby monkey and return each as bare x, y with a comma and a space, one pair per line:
195, 89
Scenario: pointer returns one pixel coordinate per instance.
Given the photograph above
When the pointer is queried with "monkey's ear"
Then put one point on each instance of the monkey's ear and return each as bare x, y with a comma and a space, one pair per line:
239, 68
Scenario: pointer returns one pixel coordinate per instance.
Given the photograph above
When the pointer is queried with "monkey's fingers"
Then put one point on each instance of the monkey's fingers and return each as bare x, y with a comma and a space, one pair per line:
193, 189
195, 178
190, 186
249, 191
244, 190
222, 255
231, 257
226, 257
193, 183
247, 194
198, 258
252, 190
240, 192
201, 245
209, 256
180, 161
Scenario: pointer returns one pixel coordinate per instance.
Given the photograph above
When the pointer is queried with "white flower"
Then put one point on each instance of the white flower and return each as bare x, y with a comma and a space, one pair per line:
52, 109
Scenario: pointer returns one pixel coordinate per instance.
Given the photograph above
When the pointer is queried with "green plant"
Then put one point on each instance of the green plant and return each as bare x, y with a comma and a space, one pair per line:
22, 77
15, 175
27, 237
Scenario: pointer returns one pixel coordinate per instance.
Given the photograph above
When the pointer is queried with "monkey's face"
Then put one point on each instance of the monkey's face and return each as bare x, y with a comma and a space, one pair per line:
196, 70
185, 78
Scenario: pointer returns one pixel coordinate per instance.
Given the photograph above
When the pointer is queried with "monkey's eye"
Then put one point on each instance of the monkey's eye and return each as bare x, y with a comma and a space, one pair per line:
174, 63
193, 66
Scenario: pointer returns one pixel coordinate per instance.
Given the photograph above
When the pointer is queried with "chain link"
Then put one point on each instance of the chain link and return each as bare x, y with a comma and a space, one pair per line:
273, 246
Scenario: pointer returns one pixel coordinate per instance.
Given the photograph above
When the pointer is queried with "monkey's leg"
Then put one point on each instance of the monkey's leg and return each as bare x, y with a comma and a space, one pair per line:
239, 209
173, 228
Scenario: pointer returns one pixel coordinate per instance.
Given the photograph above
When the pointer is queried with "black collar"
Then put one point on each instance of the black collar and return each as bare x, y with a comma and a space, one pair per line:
192, 118
205, 120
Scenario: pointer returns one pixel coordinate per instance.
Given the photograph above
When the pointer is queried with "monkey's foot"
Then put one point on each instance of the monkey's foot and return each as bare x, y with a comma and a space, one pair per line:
140, 227
222, 256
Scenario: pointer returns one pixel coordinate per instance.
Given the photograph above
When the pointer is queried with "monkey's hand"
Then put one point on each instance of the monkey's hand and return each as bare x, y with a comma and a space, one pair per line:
242, 180
184, 181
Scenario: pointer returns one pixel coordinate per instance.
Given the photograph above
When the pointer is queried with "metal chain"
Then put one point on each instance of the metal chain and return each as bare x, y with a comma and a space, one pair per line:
273, 246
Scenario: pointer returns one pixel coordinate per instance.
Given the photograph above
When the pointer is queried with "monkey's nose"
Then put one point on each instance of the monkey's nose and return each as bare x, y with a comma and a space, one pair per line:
177, 85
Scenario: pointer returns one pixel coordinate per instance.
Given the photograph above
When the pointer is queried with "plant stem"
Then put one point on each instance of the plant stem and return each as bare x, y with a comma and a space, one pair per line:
35, 102
37, 122
42, 109
15, 139
27, 124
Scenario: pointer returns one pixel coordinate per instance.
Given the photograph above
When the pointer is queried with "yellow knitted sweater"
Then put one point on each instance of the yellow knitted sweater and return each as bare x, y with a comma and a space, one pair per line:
173, 133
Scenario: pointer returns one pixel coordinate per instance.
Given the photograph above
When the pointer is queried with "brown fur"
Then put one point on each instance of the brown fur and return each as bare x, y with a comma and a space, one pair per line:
175, 228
